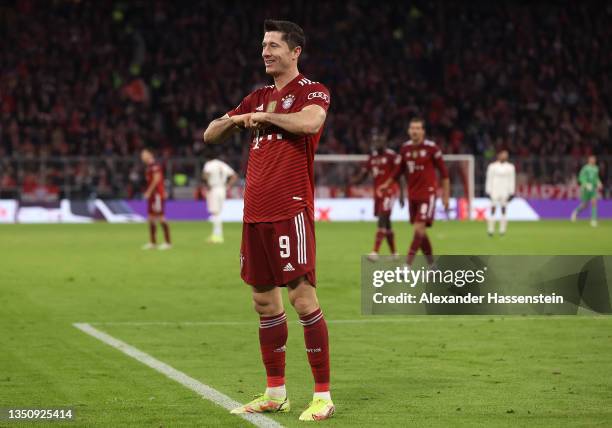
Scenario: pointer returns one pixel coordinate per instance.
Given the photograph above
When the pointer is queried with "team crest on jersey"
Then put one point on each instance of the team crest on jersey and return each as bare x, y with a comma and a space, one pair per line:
288, 101
271, 107
423, 153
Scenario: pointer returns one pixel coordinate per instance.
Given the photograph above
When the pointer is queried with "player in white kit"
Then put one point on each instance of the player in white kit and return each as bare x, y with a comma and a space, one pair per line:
500, 187
218, 177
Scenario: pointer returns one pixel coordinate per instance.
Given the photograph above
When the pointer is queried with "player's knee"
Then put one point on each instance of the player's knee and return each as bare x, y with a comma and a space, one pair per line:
266, 308
304, 305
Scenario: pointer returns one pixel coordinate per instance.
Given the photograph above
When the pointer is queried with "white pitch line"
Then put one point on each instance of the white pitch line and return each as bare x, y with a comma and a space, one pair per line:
453, 318
198, 387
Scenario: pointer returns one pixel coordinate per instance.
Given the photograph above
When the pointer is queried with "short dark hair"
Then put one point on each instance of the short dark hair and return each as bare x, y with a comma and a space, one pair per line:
292, 33
418, 119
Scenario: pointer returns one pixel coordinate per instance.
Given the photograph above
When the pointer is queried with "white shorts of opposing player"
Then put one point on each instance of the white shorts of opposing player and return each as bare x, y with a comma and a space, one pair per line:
215, 198
498, 200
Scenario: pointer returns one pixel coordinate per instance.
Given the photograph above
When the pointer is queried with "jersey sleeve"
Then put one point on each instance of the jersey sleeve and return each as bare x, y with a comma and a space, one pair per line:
315, 94
489, 180
245, 106
512, 180
439, 162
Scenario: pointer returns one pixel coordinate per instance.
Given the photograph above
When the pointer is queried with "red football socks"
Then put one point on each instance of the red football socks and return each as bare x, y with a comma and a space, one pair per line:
166, 229
380, 235
427, 250
391, 240
414, 247
152, 232
317, 348
272, 341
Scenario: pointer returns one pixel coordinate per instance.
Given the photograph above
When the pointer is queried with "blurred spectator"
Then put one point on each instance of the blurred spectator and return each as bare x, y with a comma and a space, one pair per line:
107, 78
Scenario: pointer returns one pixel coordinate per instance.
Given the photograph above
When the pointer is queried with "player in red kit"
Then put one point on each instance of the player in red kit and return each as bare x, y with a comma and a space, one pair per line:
278, 240
419, 160
382, 163
155, 194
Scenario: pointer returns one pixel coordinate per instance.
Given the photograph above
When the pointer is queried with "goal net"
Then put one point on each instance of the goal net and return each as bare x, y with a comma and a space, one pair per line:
334, 173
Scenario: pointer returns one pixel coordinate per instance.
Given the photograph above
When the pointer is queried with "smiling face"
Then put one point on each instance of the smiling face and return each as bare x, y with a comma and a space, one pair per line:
277, 55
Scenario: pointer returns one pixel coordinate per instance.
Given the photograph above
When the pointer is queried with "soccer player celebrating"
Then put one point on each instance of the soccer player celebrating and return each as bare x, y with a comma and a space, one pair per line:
218, 177
499, 185
382, 163
155, 194
419, 160
278, 239
590, 184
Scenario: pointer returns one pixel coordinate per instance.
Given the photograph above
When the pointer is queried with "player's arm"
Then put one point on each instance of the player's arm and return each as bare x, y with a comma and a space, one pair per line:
157, 177
219, 130
400, 183
397, 173
307, 121
489, 180
512, 181
231, 180
441, 167
582, 177
205, 176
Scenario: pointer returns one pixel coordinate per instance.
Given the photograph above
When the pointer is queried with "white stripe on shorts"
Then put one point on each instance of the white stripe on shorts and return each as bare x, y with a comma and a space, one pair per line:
432, 204
297, 234
300, 232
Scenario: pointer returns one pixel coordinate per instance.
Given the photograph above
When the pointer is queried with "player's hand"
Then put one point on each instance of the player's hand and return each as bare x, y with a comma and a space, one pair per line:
445, 203
402, 203
510, 198
258, 120
146, 195
241, 120
380, 190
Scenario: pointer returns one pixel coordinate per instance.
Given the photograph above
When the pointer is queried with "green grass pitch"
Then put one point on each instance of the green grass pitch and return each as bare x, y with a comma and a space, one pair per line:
413, 371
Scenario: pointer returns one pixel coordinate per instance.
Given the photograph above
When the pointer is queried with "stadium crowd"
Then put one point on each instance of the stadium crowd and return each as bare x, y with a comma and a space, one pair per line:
107, 78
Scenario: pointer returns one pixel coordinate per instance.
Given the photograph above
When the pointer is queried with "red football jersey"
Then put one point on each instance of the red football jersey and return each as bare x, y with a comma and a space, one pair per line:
419, 163
150, 172
280, 169
382, 164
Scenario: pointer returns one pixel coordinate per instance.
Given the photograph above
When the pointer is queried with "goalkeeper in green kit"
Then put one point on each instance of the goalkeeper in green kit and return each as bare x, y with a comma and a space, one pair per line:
590, 184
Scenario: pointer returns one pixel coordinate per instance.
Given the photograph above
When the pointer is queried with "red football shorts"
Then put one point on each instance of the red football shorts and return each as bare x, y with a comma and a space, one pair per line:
156, 205
422, 210
383, 204
277, 253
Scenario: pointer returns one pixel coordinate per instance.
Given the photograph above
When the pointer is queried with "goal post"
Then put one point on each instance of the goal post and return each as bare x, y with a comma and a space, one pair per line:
334, 173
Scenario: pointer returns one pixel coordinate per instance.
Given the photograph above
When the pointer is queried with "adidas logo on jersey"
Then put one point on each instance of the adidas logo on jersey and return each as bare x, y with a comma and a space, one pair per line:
288, 268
